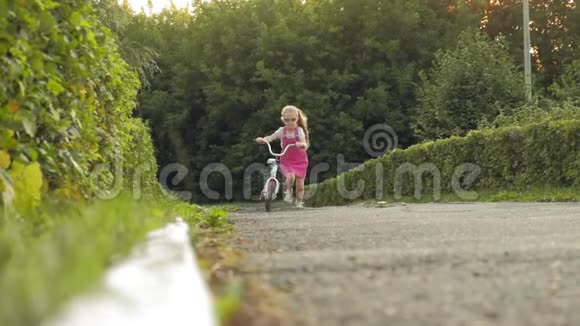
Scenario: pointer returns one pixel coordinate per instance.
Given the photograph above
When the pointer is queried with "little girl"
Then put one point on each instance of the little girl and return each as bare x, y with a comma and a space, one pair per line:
294, 162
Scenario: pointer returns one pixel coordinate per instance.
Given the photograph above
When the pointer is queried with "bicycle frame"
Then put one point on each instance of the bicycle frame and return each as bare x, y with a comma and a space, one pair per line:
273, 162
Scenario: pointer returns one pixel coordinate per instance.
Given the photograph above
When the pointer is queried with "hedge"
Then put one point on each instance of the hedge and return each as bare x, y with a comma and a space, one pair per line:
66, 100
514, 157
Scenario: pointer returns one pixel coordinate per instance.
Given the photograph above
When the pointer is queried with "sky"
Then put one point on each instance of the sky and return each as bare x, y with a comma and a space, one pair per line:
158, 5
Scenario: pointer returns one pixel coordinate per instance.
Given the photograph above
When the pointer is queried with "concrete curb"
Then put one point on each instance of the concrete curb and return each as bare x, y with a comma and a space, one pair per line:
159, 284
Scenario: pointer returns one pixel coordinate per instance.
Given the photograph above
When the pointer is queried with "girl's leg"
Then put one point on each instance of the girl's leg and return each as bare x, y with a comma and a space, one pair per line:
289, 186
299, 191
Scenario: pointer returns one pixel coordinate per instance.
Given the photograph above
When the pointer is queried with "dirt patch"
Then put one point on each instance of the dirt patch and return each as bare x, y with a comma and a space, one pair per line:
239, 300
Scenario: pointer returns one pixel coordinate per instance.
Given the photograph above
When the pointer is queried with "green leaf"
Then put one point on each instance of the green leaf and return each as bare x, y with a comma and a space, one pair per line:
54, 87
49, 4
36, 63
27, 181
32, 153
29, 127
75, 18
4, 159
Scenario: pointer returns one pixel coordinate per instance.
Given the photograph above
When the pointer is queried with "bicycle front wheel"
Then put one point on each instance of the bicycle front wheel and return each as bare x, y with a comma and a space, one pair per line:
271, 195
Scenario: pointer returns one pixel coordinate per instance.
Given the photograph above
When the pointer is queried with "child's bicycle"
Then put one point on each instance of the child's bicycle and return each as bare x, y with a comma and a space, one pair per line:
272, 185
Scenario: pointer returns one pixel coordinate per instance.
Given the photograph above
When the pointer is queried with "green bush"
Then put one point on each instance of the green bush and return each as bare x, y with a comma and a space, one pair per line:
468, 84
543, 110
568, 85
66, 96
520, 157
66, 103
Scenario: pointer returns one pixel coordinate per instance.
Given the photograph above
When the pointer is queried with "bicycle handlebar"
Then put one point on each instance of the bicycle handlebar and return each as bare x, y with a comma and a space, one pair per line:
285, 149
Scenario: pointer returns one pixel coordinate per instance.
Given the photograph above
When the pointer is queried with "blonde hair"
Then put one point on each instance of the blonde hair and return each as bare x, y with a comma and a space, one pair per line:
302, 120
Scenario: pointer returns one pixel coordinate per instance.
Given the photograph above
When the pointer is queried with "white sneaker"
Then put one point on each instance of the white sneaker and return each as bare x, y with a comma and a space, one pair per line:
299, 204
288, 197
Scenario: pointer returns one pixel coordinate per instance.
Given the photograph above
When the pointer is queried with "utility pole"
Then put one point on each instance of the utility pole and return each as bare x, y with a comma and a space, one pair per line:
527, 54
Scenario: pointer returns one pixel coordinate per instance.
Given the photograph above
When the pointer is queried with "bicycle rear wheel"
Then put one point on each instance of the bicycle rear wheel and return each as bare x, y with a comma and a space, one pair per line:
271, 195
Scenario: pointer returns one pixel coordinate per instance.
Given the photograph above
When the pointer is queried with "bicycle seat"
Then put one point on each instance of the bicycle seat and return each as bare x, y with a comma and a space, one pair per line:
271, 161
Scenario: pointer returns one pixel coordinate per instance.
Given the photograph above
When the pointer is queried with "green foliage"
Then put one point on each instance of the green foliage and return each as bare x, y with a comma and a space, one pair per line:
223, 73
542, 194
66, 101
199, 216
62, 249
542, 111
568, 85
71, 69
27, 181
230, 302
140, 169
214, 217
554, 34
66, 95
466, 86
228, 69
543, 154
120, 19
532, 194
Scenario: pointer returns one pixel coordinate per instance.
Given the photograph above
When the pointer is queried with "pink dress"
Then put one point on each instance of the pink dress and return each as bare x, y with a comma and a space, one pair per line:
295, 160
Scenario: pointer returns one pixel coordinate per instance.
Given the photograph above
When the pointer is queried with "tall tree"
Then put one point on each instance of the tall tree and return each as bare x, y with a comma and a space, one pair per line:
554, 29
467, 85
229, 67
120, 19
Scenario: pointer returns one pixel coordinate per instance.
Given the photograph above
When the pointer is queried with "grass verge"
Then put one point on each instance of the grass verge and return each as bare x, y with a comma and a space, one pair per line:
62, 248
547, 194
240, 300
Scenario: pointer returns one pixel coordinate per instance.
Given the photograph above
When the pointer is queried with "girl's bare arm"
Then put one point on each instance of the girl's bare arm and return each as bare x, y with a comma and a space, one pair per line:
269, 139
302, 142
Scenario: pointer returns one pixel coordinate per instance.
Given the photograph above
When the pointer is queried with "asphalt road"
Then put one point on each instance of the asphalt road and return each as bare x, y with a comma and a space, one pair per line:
420, 264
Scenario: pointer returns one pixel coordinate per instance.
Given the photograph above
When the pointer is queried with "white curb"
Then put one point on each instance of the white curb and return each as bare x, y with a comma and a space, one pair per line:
159, 284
